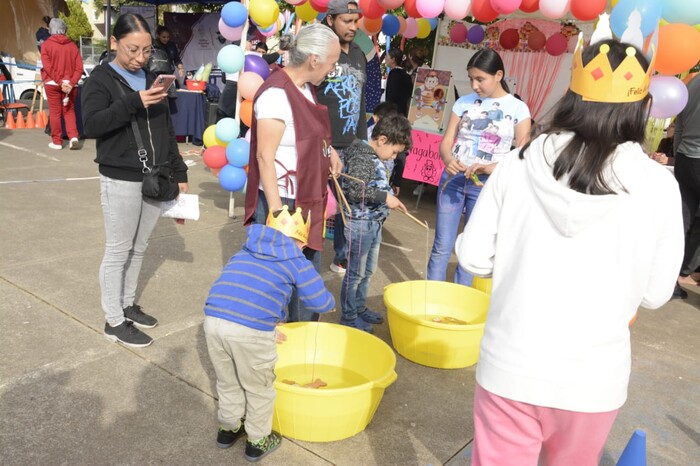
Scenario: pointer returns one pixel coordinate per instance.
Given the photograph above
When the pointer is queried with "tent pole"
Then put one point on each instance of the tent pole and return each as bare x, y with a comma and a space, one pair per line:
108, 20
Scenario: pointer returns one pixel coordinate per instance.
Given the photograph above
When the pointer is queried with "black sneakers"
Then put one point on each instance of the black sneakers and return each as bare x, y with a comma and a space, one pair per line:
226, 438
127, 334
260, 449
135, 314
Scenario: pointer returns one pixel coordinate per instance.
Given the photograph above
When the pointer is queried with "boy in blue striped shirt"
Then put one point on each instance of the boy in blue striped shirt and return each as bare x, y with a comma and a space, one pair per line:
243, 308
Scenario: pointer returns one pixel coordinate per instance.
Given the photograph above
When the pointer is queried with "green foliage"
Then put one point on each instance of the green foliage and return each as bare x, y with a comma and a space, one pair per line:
77, 21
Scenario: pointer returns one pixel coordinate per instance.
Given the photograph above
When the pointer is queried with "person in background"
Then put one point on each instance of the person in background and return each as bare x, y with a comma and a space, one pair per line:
113, 95
61, 70
664, 152
163, 40
43, 32
417, 57
584, 198
399, 86
343, 93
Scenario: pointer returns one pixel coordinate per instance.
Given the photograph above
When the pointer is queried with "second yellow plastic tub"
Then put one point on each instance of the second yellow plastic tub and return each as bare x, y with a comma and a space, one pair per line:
436, 324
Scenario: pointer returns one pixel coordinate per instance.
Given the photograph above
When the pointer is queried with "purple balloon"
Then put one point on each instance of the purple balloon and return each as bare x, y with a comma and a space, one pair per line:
475, 35
256, 64
670, 96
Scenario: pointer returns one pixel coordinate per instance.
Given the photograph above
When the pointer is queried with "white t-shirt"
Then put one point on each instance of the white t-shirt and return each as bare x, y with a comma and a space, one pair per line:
273, 104
486, 128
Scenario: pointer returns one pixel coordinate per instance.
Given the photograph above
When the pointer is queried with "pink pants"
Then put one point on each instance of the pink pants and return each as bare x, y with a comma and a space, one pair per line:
508, 432
54, 97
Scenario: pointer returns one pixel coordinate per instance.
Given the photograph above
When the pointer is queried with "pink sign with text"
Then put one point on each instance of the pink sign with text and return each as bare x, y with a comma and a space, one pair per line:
423, 162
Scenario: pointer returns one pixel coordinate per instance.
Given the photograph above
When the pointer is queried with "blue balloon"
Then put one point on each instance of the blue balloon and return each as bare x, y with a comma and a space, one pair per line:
238, 152
321, 16
681, 11
230, 59
232, 178
390, 25
650, 10
227, 129
476, 34
234, 14
433, 23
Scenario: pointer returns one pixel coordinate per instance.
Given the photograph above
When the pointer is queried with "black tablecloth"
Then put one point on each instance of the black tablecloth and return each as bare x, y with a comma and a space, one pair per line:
188, 113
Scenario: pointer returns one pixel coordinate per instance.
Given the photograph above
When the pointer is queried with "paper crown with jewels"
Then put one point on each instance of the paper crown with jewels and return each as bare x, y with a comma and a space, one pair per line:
597, 82
293, 226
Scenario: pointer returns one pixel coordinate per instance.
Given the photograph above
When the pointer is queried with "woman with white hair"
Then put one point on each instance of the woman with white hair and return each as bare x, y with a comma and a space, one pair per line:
291, 153
61, 69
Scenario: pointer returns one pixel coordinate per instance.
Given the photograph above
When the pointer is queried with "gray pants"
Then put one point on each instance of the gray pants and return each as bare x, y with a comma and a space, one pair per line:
244, 361
129, 221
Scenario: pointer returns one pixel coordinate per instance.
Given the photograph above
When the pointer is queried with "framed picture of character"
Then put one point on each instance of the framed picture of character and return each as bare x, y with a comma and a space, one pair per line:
430, 97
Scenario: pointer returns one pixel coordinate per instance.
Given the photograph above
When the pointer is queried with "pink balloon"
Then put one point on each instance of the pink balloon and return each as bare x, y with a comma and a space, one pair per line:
248, 84
390, 4
247, 135
556, 44
670, 96
554, 9
232, 34
271, 32
458, 33
505, 7
295, 2
411, 28
457, 9
430, 8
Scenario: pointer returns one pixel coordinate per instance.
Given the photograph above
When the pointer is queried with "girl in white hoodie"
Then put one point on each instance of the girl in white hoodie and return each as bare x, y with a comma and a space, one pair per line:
578, 229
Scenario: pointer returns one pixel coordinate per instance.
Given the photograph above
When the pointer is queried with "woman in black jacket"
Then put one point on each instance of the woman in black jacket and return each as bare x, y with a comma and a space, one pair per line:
399, 86
113, 95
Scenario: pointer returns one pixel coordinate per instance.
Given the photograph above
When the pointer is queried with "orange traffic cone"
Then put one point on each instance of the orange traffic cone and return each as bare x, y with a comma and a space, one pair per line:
9, 121
38, 121
30, 120
20, 121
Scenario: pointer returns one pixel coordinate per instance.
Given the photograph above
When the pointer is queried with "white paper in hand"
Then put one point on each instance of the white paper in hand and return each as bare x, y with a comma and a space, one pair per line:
185, 206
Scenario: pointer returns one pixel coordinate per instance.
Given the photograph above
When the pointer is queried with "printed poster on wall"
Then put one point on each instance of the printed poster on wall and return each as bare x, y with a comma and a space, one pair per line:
429, 101
197, 37
423, 162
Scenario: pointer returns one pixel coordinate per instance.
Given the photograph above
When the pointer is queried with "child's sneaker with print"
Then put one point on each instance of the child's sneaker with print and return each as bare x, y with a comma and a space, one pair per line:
260, 449
225, 438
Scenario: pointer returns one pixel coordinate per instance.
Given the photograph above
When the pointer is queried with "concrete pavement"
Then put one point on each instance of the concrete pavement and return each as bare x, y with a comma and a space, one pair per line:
68, 396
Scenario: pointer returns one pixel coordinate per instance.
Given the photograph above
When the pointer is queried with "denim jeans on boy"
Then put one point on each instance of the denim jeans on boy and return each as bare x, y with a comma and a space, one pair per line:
296, 310
364, 238
459, 196
129, 221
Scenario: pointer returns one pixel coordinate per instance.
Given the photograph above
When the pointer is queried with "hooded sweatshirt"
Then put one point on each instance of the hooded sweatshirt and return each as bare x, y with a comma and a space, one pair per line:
569, 272
362, 162
60, 59
255, 286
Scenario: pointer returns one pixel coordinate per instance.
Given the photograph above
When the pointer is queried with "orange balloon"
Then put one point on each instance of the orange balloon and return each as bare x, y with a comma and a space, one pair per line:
679, 48
371, 26
215, 171
247, 112
402, 25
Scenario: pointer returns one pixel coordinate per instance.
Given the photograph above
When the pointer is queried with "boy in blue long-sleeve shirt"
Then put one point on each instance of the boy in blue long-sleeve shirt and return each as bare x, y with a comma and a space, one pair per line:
243, 308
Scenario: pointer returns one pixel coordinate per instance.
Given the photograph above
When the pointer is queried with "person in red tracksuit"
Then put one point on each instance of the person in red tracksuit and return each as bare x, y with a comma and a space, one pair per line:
62, 68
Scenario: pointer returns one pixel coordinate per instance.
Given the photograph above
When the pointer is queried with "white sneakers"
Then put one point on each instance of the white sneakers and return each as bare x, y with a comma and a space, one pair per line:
55, 146
74, 144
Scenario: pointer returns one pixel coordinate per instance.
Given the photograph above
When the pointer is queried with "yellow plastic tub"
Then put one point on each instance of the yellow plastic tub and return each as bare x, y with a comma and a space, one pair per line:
482, 284
356, 366
414, 332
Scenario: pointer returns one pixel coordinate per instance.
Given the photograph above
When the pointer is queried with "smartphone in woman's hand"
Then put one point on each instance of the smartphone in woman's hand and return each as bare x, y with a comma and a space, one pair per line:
164, 81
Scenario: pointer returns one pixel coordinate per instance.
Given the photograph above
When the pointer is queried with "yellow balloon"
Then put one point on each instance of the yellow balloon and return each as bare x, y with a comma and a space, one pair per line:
613, 3
697, 26
423, 28
264, 12
663, 22
210, 138
305, 12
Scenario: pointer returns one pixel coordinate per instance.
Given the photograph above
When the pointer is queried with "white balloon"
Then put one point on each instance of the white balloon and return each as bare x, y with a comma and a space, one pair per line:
554, 9
457, 9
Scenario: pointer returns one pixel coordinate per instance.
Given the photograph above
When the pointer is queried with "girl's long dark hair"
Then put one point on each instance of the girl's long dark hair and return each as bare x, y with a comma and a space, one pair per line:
128, 23
598, 128
489, 61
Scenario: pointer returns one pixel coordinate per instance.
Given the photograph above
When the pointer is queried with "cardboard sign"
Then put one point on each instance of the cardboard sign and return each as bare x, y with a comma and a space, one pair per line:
423, 162
432, 96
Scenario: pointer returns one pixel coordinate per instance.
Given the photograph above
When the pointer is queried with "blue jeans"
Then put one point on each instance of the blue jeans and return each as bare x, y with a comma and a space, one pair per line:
459, 196
364, 236
296, 311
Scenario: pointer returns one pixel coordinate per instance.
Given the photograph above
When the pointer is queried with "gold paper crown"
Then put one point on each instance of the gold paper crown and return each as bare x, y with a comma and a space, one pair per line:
291, 225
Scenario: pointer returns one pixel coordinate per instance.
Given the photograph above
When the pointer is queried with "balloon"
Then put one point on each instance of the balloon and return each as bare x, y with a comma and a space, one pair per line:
430, 8
371, 26
247, 135
509, 38
230, 59
209, 137
483, 11
679, 48
411, 10
246, 112
257, 64
670, 96
649, 9
271, 31
248, 84
476, 34
556, 44
232, 178
458, 33
215, 171
319, 5
423, 28
232, 34
227, 130
505, 7
433, 23
390, 4
234, 14
536, 40
305, 12
587, 10
554, 9
238, 152
681, 11
371, 9
390, 25
402, 24
411, 28
214, 157
264, 12
457, 9
295, 2
530, 6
